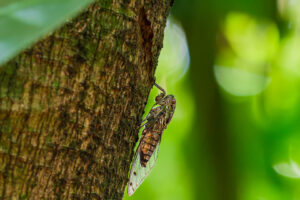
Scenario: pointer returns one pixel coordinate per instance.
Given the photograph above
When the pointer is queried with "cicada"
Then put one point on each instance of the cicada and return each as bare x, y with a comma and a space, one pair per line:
146, 154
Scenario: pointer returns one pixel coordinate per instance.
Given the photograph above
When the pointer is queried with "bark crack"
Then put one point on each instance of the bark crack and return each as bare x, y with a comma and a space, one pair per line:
147, 36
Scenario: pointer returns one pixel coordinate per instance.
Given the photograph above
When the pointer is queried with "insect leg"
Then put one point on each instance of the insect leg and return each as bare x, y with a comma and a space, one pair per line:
147, 117
143, 122
160, 88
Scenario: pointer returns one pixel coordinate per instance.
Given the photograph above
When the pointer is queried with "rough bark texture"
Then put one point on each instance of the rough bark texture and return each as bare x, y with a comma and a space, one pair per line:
70, 106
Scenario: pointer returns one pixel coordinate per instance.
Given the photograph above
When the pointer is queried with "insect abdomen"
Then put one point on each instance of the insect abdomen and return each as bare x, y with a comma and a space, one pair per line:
148, 146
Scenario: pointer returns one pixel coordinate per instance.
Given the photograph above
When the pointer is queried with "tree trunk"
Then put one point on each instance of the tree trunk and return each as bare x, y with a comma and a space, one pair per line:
70, 106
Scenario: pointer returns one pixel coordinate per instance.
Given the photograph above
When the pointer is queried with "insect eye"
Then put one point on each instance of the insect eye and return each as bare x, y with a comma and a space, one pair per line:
173, 101
159, 97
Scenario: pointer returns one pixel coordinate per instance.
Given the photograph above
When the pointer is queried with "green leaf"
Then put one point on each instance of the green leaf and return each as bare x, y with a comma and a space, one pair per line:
25, 22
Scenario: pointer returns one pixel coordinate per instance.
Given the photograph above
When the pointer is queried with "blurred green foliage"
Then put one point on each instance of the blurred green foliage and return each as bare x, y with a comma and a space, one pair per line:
234, 68
24, 22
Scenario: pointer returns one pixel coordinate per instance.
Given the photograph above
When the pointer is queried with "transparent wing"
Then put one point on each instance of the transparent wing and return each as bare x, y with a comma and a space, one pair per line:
138, 173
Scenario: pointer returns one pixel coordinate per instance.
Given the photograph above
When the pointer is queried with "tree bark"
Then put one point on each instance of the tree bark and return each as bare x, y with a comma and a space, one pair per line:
71, 105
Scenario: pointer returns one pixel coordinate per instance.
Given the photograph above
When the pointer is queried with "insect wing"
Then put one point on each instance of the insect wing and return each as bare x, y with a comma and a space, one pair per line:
138, 173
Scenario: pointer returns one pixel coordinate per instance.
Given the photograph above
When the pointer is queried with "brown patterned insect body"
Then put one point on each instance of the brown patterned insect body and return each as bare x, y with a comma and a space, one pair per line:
148, 146
158, 120
146, 155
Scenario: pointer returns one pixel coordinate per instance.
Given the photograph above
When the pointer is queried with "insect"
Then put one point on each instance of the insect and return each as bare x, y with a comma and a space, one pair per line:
155, 123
